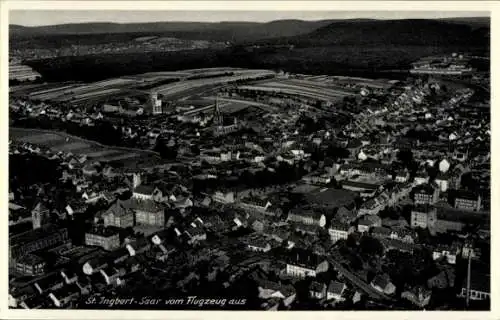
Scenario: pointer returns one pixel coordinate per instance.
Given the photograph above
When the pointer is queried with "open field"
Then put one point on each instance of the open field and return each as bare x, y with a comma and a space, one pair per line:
178, 89
320, 93
58, 141
101, 153
72, 146
118, 157
45, 139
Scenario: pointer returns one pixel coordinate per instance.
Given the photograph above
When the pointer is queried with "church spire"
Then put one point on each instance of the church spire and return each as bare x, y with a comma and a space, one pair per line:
218, 120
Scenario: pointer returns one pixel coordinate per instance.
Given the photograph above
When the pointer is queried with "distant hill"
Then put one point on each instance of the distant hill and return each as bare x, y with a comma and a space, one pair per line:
475, 22
221, 31
360, 47
389, 32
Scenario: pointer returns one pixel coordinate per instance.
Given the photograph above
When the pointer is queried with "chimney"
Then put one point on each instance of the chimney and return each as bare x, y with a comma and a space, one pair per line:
467, 297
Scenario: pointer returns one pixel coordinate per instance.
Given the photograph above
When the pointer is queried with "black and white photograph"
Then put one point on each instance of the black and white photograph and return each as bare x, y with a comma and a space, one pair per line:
249, 160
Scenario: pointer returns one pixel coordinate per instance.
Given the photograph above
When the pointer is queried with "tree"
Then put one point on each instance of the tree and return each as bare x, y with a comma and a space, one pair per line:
406, 157
371, 246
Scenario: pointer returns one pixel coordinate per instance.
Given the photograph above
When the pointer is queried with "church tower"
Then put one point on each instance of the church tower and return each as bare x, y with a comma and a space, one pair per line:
156, 103
38, 214
218, 118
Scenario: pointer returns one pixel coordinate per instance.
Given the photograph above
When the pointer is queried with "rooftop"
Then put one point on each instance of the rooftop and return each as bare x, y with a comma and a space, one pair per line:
33, 235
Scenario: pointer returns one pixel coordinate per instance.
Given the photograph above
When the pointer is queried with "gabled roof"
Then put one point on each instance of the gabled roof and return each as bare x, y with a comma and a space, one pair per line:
336, 287
40, 207
120, 208
381, 281
315, 286
144, 189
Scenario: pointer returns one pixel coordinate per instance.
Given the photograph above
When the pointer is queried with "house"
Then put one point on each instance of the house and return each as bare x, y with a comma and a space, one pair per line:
400, 234
366, 189
111, 275
47, 283
396, 244
255, 204
37, 302
381, 233
182, 204
335, 291
383, 284
372, 206
403, 234
69, 276
120, 215
33, 240
444, 279
468, 249
93, 265
322, 179
399, 193
159, 195
302, 263
272, 290
465, 200
308, 217
102, 237
158, 240
195, 235
317, 290
137, 246
443, 181
426, 194
450, 252
224, 197
62, 297
368, 221
144, 192
402, 176
214, 223
419, 296
423, 216
17, 295
339, 230
346, 214
451, 219
148, 212
421, 177
30, 265
258, 244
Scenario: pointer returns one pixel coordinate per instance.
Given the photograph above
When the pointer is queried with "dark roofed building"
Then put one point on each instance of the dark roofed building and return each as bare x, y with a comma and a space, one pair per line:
303, 263
335, 291
466, 200
105, 238
33, 240
307, 216
120, 214
30, 265
144, 192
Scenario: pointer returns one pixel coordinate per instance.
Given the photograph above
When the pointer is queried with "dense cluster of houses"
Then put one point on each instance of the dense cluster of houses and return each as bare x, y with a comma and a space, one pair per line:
291, 229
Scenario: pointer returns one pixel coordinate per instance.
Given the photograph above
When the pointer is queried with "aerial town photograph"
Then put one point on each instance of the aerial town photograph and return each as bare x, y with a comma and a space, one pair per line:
237, 160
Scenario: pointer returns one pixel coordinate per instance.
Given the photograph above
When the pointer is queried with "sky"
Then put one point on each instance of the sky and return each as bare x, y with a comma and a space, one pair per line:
44, 17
